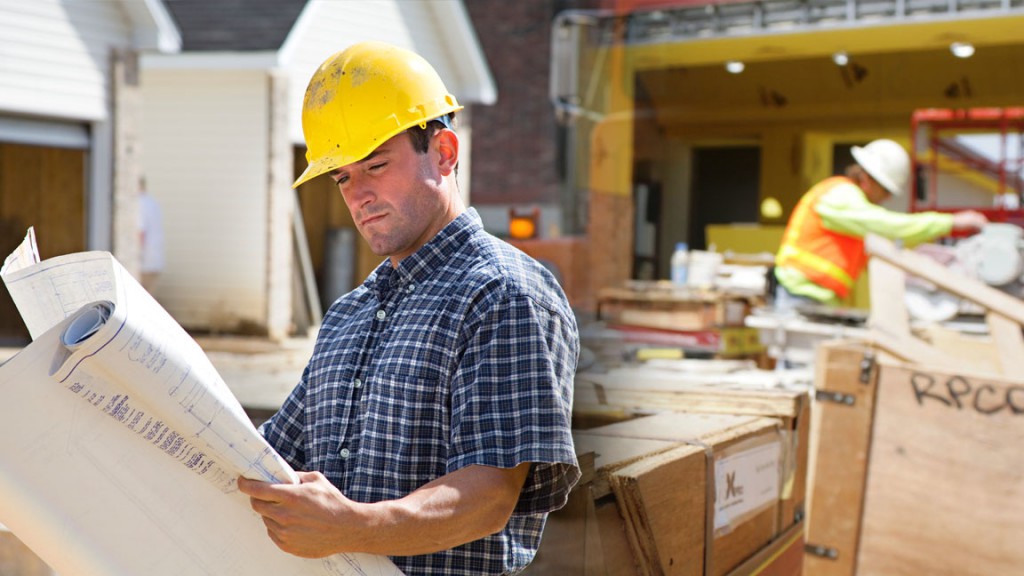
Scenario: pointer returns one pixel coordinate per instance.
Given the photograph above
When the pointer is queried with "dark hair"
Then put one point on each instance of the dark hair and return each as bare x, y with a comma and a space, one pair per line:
421, 136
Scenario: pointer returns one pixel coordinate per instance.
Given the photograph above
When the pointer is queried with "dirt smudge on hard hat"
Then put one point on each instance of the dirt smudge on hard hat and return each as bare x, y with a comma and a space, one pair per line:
359, 75
319, 92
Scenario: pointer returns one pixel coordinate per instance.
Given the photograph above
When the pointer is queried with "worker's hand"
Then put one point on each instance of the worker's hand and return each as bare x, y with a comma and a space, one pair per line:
969, 220
308, 519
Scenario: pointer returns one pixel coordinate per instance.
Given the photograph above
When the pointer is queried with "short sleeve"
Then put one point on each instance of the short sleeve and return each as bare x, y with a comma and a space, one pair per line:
512, 398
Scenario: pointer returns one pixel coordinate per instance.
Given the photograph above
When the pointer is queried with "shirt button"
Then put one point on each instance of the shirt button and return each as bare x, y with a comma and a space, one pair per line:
345, 453
411, 287
381, 314
357, 382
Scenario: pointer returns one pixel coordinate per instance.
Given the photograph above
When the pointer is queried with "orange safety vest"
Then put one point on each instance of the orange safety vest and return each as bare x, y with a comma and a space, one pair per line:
829, 259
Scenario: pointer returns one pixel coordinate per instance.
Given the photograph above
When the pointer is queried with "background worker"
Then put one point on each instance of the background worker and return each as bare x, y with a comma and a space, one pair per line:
433, 420
822, 251
151, 238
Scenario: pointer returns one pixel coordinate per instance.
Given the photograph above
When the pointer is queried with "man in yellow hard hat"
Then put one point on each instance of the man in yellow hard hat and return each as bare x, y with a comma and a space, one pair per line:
433, 420
822, 251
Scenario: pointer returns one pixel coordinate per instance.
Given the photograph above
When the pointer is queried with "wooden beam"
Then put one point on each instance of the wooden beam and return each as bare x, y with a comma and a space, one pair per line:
969, 288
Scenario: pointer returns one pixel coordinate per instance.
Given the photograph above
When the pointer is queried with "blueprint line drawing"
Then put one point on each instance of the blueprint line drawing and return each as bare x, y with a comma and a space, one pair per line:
123, 444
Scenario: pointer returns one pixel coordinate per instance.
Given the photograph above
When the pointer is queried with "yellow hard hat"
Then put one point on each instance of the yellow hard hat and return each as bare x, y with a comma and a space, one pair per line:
361, 97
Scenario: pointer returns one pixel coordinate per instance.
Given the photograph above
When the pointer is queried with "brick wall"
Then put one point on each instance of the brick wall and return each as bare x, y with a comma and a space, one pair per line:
515, 147
515, 140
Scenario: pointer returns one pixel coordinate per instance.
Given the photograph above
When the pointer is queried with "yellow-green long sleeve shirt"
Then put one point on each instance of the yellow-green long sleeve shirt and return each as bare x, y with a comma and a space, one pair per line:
846, 210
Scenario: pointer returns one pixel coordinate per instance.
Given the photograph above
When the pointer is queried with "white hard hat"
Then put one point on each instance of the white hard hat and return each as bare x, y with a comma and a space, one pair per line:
887, 162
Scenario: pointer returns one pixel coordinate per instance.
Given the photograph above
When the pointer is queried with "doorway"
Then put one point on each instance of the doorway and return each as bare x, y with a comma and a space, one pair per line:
42, 187
725, 189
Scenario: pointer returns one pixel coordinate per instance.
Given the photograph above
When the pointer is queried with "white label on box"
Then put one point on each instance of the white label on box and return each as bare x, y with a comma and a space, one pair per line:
746, 482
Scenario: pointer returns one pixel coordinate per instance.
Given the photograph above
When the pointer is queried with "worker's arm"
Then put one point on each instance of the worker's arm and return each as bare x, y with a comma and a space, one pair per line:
314, 519
846, 210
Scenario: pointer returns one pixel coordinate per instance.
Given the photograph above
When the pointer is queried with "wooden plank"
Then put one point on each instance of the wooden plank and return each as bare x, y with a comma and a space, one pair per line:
1009, 343
923, 267
944, 492
887, 285
782, 557
650, 499
912, 349
840, 433
974, 352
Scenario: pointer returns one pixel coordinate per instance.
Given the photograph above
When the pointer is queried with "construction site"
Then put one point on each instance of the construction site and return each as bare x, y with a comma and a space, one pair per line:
773, 379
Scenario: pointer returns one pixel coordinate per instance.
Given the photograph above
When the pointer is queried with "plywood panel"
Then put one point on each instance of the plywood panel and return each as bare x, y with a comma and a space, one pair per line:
945, 489
840, 433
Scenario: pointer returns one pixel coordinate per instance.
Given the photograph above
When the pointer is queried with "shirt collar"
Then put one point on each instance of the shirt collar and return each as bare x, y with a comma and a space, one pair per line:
420, 264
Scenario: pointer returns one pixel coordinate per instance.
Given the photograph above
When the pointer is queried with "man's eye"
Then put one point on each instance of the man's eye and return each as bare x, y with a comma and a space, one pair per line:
341, 180
375, 167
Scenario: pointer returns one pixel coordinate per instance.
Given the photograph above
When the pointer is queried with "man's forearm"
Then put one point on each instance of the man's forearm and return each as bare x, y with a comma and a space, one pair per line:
461, 507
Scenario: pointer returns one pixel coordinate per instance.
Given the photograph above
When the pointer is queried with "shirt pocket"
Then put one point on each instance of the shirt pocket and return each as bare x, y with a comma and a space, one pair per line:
407, 427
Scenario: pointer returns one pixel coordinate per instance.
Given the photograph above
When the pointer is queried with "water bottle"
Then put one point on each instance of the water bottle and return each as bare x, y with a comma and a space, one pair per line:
680, 264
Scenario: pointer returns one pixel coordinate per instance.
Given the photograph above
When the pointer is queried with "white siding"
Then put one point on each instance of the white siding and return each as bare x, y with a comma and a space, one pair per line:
55, 56
206, 162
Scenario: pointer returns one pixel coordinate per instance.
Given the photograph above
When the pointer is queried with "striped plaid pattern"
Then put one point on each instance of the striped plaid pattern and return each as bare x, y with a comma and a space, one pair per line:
464, 354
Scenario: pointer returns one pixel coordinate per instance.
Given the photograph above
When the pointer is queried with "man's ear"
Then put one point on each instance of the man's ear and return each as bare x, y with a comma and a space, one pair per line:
447, 145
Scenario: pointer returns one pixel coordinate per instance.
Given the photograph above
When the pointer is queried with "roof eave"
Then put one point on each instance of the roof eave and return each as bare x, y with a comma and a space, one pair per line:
153, 29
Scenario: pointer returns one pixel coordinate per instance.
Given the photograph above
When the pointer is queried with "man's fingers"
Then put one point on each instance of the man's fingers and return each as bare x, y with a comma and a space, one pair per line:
259, 490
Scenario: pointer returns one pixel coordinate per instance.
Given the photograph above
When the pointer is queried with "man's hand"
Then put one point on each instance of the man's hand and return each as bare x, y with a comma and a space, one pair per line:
306, 519
969, 220
313, 519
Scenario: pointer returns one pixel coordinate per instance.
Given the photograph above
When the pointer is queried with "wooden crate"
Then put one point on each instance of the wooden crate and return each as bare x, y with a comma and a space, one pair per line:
707, 387
696, 493
915, 470
660, 305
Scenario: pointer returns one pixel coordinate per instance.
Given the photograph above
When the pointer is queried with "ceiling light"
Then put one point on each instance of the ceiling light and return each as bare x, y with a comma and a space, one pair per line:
734, 66
841, 58
962, 49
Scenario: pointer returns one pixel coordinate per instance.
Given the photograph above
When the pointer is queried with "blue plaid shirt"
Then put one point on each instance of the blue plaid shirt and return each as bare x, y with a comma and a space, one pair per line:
464, 354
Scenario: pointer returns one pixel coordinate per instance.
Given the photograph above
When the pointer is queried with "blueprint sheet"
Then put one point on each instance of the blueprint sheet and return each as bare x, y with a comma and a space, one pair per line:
121, 443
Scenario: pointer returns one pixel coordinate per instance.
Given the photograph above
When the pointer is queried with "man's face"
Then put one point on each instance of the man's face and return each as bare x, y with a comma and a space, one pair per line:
396, 196
875, 192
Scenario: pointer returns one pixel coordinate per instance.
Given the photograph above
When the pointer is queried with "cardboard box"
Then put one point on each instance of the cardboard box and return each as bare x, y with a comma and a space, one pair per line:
914, 470
696, 493
707, 387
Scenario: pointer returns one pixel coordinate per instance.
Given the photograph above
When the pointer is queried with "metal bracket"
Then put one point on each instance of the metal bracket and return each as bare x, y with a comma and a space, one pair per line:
837, 397
822, 551
867, 364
